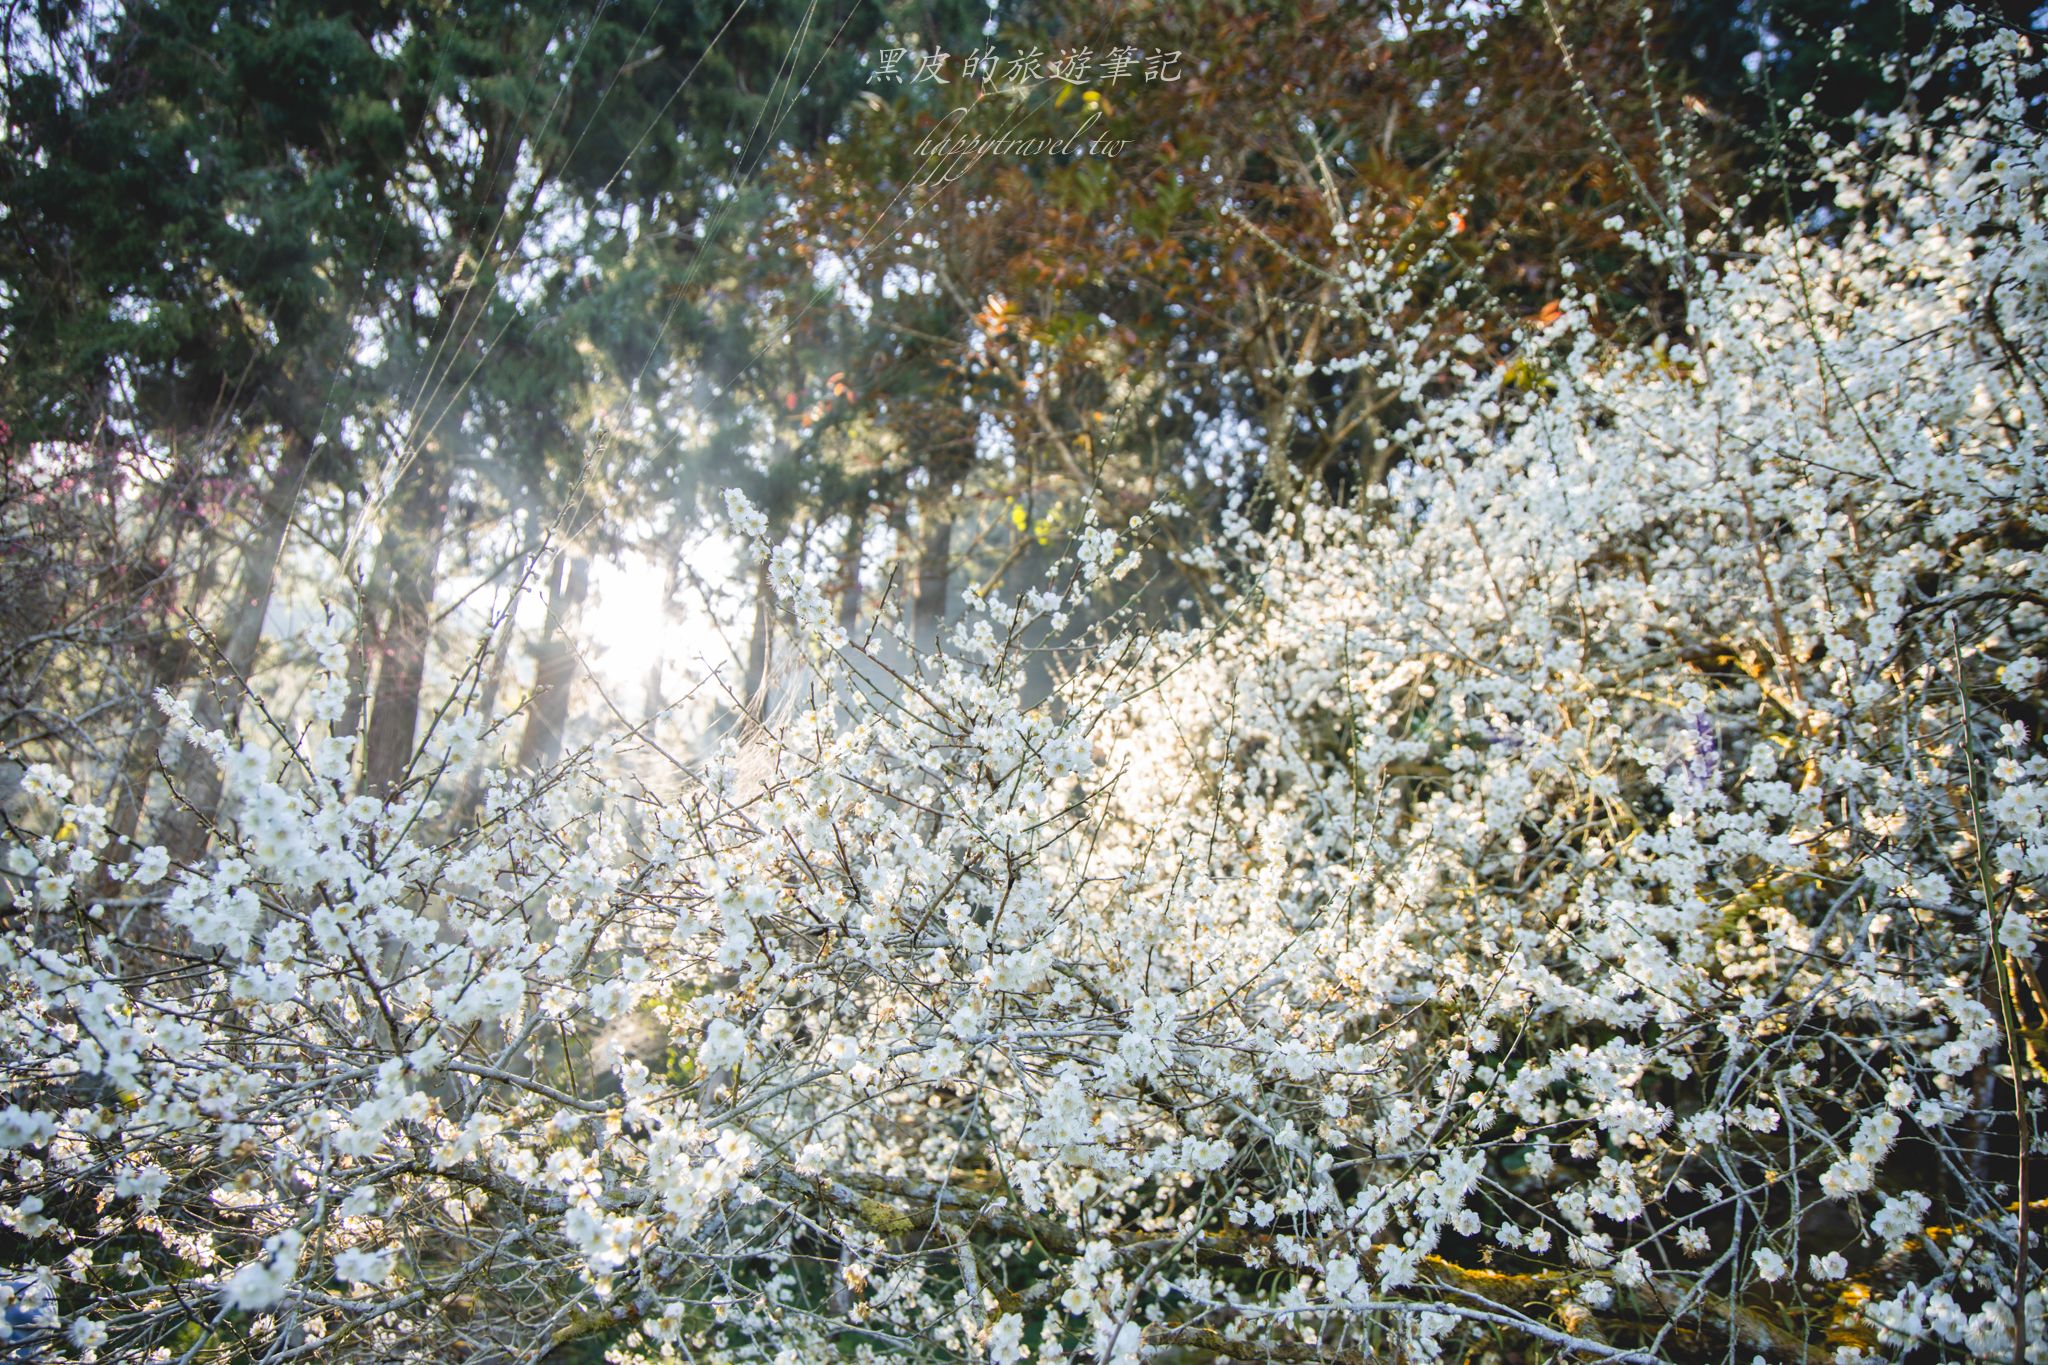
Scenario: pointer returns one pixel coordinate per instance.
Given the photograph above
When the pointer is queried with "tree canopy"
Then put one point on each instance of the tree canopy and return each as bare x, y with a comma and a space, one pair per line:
1022, 683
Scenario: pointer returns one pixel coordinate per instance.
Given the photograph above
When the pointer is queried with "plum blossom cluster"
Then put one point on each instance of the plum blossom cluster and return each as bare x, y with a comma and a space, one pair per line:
1586, 904
1617, 863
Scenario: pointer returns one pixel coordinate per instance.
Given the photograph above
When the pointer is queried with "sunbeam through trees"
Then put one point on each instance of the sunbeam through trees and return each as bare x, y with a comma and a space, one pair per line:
1038, 684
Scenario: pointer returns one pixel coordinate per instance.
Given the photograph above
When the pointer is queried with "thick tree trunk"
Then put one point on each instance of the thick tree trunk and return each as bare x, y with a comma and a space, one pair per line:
494, 674
934, 567
365, 645
414, 556
652, 702
168, 662
547, 716
219, 703
754, 686
492, 683
849, 570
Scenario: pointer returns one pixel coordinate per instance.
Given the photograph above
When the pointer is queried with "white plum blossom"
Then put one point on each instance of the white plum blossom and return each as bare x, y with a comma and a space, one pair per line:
749, 522
1610, 847
262, 1283
1900, 1216
356, 1266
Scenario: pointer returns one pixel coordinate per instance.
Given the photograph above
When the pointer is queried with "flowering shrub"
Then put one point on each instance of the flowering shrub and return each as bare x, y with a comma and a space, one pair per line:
1587, 904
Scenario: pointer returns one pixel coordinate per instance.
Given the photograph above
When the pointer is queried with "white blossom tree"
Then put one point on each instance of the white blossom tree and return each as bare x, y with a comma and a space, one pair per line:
1584, 908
